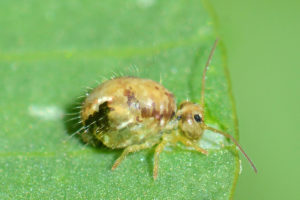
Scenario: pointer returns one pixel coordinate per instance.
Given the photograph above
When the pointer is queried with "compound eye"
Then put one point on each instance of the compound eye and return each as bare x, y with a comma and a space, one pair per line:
197, 118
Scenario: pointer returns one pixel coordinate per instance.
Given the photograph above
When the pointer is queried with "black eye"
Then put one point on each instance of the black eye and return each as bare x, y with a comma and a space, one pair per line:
179, 117
197, 118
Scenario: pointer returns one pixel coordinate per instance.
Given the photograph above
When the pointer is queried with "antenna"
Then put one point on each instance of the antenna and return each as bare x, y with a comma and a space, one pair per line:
204, 75
236, 143
202, 106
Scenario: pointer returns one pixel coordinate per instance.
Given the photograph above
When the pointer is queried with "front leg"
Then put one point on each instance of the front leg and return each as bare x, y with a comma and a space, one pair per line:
188, 142
130, 149
172, 139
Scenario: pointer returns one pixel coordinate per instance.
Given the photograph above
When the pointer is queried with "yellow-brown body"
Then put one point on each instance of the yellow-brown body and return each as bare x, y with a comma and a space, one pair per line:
128, 110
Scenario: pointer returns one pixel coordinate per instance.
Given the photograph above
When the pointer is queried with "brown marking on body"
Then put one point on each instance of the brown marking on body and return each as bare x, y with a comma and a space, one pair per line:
130, 96
170, 109
156, 87
150, 112
155, 113
146, 112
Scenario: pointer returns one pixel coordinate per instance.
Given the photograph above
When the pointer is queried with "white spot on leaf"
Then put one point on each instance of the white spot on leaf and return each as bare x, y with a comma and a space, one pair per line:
211, 140
46, 112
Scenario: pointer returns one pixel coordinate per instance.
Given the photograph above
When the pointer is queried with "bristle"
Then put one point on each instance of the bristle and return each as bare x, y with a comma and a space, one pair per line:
72, 119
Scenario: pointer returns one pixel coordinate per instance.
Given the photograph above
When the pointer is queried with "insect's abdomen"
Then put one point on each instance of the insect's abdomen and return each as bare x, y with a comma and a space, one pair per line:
128, 110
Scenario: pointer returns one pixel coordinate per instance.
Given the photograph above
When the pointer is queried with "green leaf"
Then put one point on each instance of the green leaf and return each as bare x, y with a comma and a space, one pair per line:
51, 50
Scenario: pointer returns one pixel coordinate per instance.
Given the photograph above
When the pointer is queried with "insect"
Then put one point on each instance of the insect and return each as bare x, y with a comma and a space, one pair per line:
132, 113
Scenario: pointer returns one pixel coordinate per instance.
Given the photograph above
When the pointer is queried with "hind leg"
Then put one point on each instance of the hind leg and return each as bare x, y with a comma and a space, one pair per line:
131, 149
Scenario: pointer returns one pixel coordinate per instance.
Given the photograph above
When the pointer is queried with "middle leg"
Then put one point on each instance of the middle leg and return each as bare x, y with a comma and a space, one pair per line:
157, 152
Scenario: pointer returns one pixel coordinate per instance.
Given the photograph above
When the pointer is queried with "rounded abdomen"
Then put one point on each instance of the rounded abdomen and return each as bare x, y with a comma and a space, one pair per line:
127, 110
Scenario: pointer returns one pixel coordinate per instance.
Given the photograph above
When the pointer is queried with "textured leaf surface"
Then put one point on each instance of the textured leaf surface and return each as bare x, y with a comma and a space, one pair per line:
50, 51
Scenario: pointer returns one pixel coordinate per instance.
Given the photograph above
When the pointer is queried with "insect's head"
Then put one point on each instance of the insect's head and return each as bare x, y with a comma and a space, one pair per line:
190, 120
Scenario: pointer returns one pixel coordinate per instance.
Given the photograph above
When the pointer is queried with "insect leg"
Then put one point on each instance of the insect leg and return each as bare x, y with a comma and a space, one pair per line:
187, 142
130, 149
158, 150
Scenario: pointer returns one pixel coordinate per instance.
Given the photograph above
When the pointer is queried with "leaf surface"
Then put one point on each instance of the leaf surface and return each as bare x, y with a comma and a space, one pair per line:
51, 50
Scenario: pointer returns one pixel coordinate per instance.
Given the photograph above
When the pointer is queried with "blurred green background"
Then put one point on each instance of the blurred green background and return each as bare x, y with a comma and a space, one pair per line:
262, 41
